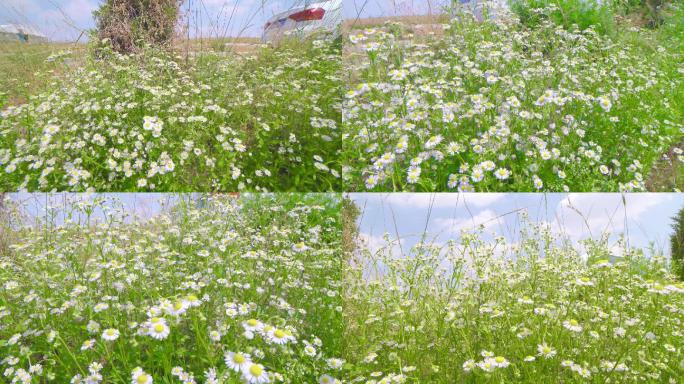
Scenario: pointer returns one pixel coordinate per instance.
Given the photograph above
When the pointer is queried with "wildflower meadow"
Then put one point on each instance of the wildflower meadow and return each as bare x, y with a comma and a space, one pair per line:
213, 290
497, 104
280, 288
253, 263
159, 120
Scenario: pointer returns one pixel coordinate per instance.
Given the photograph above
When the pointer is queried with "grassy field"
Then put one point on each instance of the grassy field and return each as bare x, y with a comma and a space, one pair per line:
595, 109
240, 45
376, 22
28, 68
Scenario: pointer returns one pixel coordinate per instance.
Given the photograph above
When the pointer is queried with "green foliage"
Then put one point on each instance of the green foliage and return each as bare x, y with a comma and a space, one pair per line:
567, 13
677, 245
350, 212
652, 10
671, 32
500, 106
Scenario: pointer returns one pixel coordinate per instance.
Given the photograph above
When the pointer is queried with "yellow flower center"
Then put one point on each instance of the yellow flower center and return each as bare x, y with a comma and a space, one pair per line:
178, 305
239, 358
499, 359
110, 332
325, 380
155, 320
159, 328
574, 322
256, 370
279, 334
142, 379
252, 322
546, 349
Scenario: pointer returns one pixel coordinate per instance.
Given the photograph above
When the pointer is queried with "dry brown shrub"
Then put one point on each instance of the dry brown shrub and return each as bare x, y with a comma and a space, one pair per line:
132, 24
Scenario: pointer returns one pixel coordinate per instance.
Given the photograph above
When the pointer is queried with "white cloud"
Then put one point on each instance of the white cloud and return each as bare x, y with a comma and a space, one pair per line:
18, 11
375, 243
488, 218
481, 200
58, 19
580, 215
442, 200
80, 11
372, 242
641, 218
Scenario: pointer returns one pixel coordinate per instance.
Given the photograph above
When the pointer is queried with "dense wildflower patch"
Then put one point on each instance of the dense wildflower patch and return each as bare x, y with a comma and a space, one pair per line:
499, 106
216, 290
154, 121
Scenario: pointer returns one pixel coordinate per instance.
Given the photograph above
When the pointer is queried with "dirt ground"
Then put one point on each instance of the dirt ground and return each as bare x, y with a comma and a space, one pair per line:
667, 173
239, 45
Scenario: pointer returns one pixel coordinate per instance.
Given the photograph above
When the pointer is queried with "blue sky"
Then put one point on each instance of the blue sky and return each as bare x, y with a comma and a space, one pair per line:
64, 20
644, 219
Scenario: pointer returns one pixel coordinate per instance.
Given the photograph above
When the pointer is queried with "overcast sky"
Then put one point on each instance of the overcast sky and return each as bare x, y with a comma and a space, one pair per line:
644, 219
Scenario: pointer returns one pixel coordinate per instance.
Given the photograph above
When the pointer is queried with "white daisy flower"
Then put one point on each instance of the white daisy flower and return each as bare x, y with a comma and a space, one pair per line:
140, 377
238, 361
326, 379
255, 374
110, 334
159, 331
